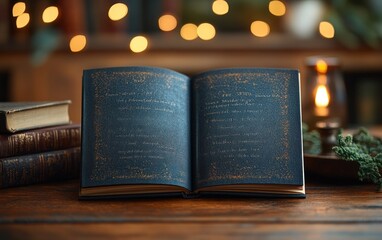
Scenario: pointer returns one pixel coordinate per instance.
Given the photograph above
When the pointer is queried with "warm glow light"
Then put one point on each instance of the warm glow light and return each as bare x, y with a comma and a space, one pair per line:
118, 11
167, 23
18, 9
260, 29
322, 96
138, 44
321, 66
220, 7
277, 8
189, 31
77, 43
22, 20
326, 29
50, 14
206, 31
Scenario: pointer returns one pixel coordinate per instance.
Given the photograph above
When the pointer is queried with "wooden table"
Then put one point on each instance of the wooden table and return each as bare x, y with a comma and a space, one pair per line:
53, 211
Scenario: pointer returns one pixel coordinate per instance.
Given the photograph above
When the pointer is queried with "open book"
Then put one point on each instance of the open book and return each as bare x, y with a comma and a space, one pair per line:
153, 131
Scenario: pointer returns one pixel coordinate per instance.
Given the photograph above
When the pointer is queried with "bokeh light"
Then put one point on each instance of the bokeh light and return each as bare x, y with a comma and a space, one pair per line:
260, 29
277, 8
139, 44
220, 7
50, 14
189, 31
321, 66
77, 43
326, 29
118, 11
167, 23
206, 31
18, 9
22, 20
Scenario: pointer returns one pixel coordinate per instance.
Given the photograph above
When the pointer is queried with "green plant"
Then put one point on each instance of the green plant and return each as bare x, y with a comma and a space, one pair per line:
365, 149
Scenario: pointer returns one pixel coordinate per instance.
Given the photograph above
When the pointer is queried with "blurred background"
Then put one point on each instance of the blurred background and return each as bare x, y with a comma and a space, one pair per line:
46, 44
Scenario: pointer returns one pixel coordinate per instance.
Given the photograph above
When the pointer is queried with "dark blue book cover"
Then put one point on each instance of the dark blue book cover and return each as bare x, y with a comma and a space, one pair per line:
155, 131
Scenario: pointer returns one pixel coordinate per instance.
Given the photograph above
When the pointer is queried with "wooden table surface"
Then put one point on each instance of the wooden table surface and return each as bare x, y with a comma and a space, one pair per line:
53, 211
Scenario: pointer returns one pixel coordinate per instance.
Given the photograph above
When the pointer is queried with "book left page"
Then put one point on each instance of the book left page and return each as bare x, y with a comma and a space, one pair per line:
136, 127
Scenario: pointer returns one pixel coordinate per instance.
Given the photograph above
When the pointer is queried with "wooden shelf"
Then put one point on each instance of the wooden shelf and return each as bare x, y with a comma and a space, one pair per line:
173, 42
60, 75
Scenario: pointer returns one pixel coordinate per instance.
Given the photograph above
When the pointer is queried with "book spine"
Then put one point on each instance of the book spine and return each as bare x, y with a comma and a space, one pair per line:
39, 141
40, 168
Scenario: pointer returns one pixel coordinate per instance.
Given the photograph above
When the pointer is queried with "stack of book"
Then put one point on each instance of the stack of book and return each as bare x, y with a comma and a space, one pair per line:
38, 143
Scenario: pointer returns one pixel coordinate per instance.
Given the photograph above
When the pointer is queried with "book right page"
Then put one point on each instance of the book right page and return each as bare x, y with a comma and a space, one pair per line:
247, 127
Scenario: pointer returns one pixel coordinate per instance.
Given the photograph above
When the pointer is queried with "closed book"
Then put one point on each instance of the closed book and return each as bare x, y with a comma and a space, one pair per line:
40, 140
40, 168
19, 116
152, 131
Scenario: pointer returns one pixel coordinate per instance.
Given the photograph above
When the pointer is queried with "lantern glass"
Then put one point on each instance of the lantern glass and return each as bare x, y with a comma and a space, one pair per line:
325, 96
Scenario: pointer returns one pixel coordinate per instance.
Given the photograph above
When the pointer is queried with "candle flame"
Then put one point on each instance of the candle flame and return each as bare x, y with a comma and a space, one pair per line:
321, 66
322, 96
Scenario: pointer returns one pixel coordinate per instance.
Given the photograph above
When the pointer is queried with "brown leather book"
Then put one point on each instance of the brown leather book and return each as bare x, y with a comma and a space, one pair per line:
40, 168
40, 140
